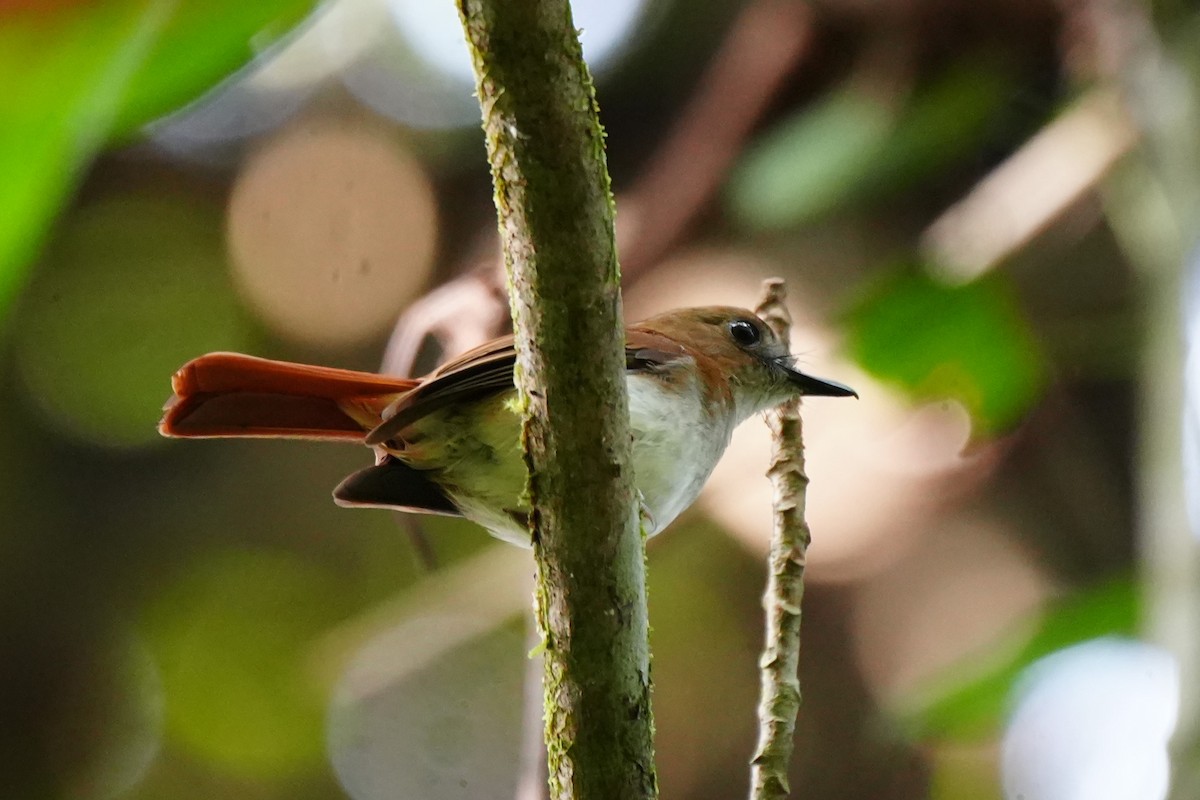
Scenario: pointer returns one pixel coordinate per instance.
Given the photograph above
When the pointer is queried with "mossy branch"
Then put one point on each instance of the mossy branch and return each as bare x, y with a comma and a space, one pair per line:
552, 193
780, 699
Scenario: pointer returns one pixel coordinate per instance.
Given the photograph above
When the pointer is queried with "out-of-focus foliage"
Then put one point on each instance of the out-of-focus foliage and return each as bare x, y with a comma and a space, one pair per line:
162, 261
238, 691
967, 342
946, 122
77, 73
198, 619
852, 147
953, 709
812, 162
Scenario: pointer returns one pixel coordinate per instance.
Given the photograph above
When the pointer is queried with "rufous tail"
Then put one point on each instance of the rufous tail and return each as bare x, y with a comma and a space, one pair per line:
228, 394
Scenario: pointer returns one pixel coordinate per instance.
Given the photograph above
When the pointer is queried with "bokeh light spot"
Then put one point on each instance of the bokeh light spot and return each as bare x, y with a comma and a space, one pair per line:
120, 708
964, 590
230, 637
436, 33
132, 288
332, 228
447, 729
1092, 722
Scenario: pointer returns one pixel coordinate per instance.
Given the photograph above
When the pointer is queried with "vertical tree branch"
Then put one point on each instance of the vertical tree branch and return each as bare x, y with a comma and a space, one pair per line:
532, 775
780, 699
554, 201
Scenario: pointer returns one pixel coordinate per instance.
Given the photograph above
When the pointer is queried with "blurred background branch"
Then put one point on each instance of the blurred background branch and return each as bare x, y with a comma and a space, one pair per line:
763, 45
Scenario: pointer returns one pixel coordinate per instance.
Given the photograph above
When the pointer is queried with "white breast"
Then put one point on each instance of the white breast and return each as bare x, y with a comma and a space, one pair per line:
677, 441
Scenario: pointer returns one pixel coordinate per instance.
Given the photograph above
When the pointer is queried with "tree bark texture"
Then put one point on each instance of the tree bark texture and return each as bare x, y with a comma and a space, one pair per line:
552, 192
779, 666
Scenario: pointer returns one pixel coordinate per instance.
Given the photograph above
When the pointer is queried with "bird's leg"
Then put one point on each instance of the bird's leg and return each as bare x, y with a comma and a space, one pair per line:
649, 526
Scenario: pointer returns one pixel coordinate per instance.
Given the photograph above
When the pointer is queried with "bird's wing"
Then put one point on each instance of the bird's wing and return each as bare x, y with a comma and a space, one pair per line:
396, 485
485, 370
488, 370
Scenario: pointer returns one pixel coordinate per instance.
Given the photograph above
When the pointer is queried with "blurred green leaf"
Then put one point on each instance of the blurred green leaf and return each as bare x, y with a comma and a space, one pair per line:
76, 74
809, 163
944, 124
100, 375
963, 709
201, 43
969, 343
850, 147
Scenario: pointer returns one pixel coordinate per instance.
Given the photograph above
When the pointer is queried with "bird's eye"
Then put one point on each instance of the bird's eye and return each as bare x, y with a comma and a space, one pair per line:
744, 332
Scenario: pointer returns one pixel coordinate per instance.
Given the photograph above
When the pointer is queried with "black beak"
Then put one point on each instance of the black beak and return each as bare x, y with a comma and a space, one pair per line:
817, 387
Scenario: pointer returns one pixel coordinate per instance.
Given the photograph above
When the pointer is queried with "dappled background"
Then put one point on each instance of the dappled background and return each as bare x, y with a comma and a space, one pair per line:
984, 212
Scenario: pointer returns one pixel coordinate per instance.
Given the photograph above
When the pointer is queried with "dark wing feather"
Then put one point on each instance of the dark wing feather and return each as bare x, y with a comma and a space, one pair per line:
394, 484
485, 370
488, 370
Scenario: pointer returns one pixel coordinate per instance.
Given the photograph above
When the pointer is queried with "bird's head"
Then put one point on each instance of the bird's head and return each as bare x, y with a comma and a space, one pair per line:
735, 346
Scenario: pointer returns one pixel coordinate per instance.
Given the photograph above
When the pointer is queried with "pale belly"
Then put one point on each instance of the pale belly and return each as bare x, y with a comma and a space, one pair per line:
676, 444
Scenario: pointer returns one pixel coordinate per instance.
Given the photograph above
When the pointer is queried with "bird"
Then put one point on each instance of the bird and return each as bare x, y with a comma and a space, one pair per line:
449, 443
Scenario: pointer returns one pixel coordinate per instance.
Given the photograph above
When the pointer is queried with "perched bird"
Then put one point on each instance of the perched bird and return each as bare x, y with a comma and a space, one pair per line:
449, 443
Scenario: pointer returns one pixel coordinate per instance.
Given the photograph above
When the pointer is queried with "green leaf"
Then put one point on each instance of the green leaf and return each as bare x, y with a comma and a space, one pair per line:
954, 707
203, 42
969, 343
850, 147
809, 164
77, 74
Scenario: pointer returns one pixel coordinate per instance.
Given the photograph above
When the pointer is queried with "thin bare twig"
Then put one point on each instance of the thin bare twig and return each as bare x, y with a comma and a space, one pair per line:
780, 699
761, 50
422, 546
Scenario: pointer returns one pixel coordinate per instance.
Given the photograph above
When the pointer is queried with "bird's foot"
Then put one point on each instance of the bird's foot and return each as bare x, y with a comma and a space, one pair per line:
646, 516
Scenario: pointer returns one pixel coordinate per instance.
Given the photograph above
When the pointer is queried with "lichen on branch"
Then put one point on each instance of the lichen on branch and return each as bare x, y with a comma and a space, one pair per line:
554, 201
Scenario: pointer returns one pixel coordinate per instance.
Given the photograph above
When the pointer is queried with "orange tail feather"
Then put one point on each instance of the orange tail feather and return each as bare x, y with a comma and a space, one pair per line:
227, 394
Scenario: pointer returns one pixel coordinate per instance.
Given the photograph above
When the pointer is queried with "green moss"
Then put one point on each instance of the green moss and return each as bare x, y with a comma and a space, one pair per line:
554, 200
